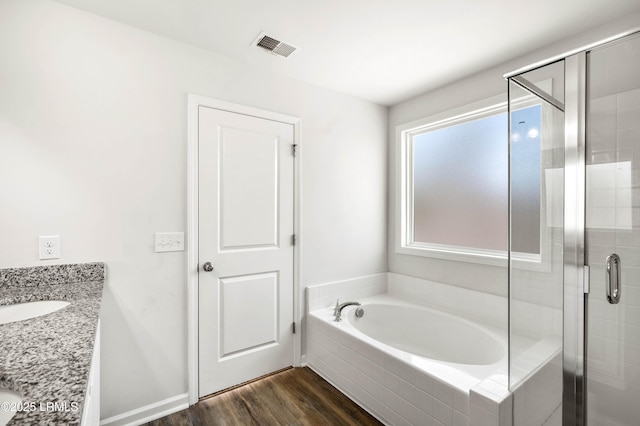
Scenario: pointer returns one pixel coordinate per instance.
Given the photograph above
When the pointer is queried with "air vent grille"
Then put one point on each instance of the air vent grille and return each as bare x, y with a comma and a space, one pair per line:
284, 49
274, 45
268, 43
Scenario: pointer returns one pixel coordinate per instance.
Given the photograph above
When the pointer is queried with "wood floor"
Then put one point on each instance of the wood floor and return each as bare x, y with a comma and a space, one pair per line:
297, 396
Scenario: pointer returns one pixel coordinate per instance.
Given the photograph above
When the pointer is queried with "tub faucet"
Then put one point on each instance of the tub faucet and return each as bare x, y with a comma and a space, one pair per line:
337, 311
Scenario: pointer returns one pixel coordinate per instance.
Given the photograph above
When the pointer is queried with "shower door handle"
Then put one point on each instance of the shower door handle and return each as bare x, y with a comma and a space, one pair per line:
613, 278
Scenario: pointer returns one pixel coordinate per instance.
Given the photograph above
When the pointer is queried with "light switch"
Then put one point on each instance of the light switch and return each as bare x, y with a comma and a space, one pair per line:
169, 241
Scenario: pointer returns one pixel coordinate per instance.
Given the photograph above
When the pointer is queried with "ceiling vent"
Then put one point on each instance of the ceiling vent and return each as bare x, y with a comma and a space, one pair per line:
275, 46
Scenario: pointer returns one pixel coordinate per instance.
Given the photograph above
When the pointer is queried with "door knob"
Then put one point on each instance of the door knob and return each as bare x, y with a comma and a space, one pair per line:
208, 267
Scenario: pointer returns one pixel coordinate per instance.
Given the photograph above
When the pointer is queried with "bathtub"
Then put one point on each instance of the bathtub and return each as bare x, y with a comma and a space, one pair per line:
403, 362
446, 346
429, 339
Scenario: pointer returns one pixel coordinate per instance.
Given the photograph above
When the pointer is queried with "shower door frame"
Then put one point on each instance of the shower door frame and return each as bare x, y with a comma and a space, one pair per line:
575, 286
575, 272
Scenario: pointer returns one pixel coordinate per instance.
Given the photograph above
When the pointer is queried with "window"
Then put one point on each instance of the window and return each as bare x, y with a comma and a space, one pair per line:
453, 184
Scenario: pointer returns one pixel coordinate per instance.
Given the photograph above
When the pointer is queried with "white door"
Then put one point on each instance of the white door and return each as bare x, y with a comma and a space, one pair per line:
246, 213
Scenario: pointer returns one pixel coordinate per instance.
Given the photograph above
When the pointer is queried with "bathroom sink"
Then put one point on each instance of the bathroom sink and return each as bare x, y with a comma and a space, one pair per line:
9, 401
23, 311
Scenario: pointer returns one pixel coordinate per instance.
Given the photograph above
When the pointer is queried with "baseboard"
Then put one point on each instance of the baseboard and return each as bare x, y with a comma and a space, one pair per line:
149, 412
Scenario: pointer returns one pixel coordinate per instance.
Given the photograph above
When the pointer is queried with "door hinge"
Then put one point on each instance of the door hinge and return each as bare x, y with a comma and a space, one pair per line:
294, 327
585, 279
294, 147
293, 240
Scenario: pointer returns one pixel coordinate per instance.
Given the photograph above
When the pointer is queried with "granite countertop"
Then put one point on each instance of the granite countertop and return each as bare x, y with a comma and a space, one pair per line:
47, 359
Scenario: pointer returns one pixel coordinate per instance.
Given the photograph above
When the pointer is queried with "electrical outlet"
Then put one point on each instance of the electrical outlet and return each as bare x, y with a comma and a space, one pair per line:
49, 247
169, 241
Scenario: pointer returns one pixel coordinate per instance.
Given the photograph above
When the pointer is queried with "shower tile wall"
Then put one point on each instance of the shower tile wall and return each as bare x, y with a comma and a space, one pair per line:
613, 217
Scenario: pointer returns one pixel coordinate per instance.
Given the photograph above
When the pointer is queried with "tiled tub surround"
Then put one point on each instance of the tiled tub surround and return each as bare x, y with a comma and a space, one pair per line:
397, 392
473, 305
401, 388
47, 359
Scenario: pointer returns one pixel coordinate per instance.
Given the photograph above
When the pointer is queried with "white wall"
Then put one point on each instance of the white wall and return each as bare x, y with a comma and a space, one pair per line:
475, 88
93, 129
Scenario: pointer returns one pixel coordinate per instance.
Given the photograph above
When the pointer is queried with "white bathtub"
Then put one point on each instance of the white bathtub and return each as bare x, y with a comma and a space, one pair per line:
448, 347
405, 363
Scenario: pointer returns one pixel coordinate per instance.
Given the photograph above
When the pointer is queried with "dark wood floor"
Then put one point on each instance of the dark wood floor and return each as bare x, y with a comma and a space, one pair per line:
297, 396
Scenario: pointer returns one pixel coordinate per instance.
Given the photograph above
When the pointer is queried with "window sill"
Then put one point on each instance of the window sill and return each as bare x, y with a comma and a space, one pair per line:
470, 255
456, 254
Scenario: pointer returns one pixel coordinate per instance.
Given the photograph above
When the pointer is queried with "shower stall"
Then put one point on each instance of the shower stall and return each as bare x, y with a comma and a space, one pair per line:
574, 249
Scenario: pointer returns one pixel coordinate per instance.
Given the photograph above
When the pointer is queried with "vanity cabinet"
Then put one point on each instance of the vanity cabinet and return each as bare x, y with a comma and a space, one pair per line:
91, 410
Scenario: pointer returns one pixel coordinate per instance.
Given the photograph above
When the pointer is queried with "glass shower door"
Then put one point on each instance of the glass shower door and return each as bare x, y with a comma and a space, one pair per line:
536, 256
612, 236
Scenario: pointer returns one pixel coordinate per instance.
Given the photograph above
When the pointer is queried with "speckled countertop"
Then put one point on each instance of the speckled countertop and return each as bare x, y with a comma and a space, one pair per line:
47, 359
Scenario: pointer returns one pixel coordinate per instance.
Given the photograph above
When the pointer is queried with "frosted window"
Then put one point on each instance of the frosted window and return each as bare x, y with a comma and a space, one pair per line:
460, 184
525, 180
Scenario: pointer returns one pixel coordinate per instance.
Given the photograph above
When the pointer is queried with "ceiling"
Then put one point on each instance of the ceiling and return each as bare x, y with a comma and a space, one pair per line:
384, 51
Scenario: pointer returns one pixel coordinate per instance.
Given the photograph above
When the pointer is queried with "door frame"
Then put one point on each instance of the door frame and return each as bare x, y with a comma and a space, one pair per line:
194, 102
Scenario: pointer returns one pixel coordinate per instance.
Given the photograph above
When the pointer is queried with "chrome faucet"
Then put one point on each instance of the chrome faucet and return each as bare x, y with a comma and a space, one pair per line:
337, 311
